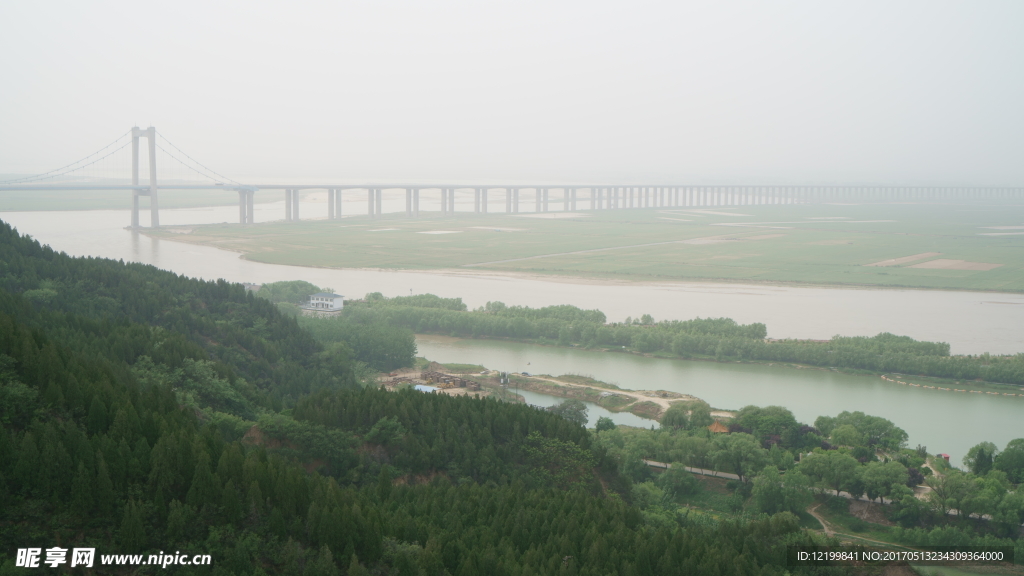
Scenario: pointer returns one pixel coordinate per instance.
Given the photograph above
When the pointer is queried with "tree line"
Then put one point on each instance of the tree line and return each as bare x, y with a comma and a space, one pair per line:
782, 465
716, 338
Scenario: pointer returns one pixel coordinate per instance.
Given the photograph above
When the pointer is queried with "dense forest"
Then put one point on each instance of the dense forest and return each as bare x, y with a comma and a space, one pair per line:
145, 412
714, 338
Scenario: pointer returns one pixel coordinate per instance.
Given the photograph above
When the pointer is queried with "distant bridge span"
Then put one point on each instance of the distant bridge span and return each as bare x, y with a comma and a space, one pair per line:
572, 197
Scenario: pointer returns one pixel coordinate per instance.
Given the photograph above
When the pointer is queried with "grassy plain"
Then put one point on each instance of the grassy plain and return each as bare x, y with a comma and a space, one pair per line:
814, 244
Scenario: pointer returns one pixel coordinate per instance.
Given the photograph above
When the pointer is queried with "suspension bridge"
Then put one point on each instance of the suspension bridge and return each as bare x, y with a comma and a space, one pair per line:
118, 166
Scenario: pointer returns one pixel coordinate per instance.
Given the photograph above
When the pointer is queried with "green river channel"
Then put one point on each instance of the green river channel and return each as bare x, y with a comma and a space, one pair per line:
943, 421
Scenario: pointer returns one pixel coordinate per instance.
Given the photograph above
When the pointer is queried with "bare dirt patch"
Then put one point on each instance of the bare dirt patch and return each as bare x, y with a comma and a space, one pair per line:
869, 512
947, 264
710, 240
905, 259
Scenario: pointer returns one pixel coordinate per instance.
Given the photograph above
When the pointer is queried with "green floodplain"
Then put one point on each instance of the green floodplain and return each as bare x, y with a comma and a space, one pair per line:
960, 247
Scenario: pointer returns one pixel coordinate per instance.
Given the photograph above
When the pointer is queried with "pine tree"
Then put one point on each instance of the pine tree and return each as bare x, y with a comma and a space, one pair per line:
82, 491
230, 503
204, 489
24, 474
176, 519
97, 420
254, 501
356, 568
104, 487
131, 536
324, 564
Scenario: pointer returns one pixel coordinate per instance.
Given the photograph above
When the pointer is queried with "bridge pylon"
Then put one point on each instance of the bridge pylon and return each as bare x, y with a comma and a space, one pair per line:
154, 205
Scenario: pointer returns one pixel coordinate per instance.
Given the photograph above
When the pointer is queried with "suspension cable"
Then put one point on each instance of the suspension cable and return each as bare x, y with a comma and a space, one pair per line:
50, 174
221, 176
41, 176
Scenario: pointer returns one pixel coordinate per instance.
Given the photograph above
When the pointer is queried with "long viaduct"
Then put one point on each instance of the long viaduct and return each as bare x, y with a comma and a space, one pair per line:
572, 197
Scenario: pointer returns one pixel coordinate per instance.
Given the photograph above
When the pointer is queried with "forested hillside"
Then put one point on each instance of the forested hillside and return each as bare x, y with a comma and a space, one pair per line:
145, 412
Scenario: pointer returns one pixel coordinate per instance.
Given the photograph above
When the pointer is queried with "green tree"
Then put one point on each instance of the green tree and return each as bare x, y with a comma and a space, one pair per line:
676, 481
847, 435
386, 431
700, 416
204, 489
675, 418
774, 492
605, 423
980, 457
104, 487
881, 480
1011, 460
571, 409
740, 453
132, 536
949, 490
82, 489
831, 468
324, 564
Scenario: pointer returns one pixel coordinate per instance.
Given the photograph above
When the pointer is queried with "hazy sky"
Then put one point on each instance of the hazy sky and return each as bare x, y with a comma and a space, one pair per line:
928, 92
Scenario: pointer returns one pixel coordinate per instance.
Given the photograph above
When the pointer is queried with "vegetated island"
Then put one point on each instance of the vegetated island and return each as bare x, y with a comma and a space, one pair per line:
717, 339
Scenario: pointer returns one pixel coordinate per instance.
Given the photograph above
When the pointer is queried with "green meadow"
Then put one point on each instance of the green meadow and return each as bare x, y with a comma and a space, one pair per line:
963, 247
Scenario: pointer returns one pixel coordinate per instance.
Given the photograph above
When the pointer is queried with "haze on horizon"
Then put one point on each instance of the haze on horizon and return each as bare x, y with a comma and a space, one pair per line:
915, 92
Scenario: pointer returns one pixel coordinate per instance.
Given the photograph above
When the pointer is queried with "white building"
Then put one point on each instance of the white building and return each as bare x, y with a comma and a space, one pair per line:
323, 304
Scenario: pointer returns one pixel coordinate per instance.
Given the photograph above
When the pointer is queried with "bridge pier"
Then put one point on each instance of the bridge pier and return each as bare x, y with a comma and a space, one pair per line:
337, 203
295, 204
242, 207
483, 200
416, 203
330, 203
476, 200
515, 200
451, 201
287, 205
408, 202
546, 199
379, 203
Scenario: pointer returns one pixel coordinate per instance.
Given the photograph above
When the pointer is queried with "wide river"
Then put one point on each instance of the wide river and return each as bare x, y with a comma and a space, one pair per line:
972, 322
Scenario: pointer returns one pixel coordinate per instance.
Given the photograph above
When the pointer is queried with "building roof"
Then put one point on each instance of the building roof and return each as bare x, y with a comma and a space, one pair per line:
718, 427
325, 295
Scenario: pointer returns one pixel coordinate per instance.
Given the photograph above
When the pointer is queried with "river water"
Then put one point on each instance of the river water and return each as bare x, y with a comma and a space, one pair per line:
971, 322
943, 421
